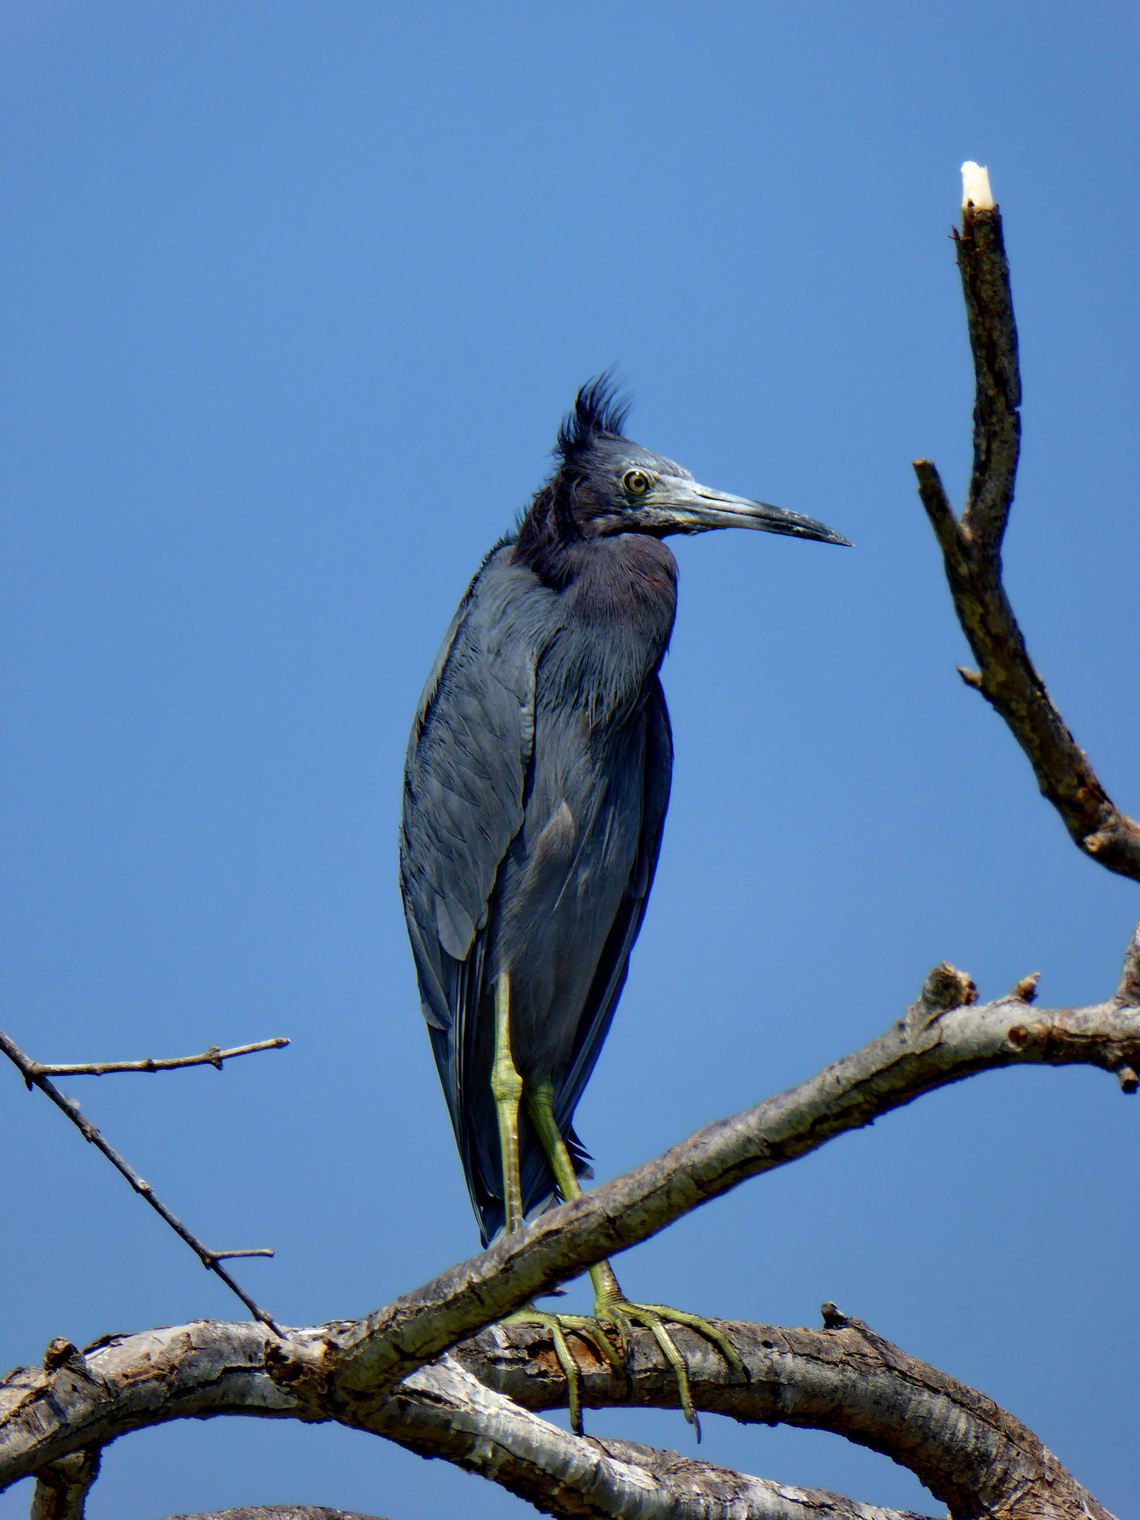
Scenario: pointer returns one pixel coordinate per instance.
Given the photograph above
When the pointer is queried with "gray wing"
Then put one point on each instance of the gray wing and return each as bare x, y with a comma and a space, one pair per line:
464, 784
610, 978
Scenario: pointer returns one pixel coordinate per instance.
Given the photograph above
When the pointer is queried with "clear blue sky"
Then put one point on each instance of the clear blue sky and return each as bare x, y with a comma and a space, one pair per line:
295, 297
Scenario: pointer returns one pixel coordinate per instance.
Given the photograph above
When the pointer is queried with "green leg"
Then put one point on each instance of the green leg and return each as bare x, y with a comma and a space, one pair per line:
507, 1090
610, 1304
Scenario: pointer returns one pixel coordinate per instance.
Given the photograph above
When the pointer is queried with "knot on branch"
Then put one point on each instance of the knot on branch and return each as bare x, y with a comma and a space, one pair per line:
1036, 1033
945, 987
63, 1353
302, 1370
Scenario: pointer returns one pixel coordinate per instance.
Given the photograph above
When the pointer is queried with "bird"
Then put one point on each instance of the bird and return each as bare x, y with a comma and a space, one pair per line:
535, 789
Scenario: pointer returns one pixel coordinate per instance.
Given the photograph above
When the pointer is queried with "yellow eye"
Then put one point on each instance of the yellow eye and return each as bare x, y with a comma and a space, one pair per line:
635, 482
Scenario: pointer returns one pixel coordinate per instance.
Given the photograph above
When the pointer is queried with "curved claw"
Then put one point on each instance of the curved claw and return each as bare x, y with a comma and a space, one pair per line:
557, 1325
703, 1327
623, 1314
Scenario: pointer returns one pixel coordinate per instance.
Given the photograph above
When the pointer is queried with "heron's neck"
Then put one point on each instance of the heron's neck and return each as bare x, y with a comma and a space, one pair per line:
626, 579
615, 617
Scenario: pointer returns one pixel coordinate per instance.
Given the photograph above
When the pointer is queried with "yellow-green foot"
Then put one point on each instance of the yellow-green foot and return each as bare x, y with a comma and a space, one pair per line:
623, 1314
557, 1326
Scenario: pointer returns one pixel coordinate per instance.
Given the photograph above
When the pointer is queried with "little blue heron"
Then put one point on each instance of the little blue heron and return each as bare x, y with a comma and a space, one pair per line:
534, 795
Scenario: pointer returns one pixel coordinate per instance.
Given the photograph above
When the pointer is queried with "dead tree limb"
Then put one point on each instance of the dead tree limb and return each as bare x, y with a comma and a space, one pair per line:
62, 1488
845, 1379
971, 552
478, 1407
348, 1371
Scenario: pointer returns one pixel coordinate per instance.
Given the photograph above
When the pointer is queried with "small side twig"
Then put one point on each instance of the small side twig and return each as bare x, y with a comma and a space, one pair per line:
971, 550
212, 1057
33, 1077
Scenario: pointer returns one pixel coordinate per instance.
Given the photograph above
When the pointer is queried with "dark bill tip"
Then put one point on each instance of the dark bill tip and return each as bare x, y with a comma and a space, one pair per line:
719, 511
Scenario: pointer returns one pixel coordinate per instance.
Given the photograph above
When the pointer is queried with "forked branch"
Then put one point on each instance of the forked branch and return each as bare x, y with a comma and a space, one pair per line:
34, 1075
971, 551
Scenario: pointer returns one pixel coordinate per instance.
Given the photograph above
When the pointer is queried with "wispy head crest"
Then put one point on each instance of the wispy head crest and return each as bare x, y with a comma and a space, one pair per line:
599, 410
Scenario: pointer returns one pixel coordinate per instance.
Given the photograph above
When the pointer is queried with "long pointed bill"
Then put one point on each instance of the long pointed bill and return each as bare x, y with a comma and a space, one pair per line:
684, 506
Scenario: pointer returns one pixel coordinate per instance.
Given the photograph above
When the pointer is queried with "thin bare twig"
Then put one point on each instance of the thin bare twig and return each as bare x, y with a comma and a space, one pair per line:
971, 550
212, 1057
33, 1077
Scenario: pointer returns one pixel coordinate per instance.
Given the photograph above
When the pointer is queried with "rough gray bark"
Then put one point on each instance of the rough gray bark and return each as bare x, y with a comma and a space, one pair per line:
62, 1487
477, 1408
845, 1379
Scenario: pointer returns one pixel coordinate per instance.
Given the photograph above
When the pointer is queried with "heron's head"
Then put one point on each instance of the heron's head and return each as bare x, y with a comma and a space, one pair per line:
605, 484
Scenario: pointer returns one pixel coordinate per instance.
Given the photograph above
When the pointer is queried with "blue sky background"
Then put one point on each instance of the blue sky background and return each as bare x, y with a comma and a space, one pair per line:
295, 297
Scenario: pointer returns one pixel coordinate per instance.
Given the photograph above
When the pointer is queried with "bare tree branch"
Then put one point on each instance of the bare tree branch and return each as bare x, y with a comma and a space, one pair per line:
34, 1077
932, 1046
971, 551
347, 1371
845, 1379
477, 1408
448, 1411
212, 1057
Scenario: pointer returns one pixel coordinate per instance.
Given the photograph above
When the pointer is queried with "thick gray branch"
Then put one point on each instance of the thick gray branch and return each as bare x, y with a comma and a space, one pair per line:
967, 1451
971, 551
843, 1378
450, 1411
62, 1488
924, 1050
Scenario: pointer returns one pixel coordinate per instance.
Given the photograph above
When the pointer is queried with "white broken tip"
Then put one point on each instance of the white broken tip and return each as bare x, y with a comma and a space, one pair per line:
976, 187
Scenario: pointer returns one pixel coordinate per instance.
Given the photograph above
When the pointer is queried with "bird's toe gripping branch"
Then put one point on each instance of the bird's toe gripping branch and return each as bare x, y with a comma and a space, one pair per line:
559, 1327
610, 1333
614, 1313
613, 1308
